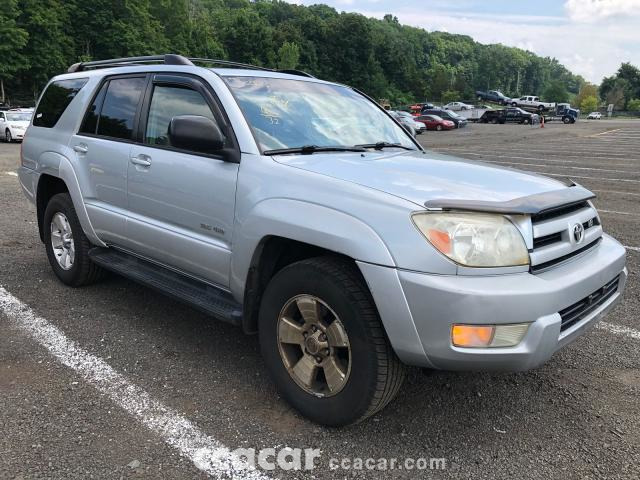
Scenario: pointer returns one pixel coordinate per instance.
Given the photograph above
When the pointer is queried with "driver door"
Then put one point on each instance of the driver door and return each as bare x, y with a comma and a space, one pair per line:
181, 202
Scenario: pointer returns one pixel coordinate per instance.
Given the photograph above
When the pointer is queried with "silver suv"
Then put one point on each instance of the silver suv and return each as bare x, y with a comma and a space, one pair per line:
300, 210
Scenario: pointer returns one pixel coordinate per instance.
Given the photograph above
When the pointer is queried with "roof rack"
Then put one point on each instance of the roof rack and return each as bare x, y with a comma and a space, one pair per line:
171, 59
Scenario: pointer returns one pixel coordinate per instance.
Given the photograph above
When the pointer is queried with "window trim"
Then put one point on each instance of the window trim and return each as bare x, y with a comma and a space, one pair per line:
136, 117
231, 154
197, 84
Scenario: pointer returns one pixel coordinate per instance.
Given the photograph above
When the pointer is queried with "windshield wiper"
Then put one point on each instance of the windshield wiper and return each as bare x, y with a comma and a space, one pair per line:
309, 149
381, 145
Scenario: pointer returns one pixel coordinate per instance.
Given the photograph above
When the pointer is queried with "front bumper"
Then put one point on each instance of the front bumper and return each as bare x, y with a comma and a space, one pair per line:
428, 305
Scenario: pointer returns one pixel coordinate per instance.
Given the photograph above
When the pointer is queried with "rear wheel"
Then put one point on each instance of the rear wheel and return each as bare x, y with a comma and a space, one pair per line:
66, 244
566, 120
514, 104
324, 344
494, 121
526, 121
439, 127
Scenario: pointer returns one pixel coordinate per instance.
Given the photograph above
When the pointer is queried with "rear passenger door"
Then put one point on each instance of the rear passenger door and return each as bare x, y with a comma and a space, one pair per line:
102, 147
181, 202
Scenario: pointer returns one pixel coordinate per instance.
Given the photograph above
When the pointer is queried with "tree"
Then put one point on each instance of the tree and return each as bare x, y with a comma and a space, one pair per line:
556, 92
288, 56
12, 39
634, 105
450, 96
589, 104
586, 91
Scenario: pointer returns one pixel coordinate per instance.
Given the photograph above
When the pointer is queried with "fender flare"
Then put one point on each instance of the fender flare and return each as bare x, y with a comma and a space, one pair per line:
306, 222
59, 166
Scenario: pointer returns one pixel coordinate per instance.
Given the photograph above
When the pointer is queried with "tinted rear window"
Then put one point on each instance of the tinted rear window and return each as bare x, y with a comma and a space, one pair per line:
120, 106
91, 118
55, 101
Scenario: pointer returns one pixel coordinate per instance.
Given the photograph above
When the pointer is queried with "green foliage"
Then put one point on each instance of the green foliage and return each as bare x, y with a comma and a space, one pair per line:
589, 104
587, 90
555, 91
12, 40
450, 96
288, 56
620, 88
634, 105
381, 57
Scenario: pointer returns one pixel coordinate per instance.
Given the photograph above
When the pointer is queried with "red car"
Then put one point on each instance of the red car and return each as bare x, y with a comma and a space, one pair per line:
434, 122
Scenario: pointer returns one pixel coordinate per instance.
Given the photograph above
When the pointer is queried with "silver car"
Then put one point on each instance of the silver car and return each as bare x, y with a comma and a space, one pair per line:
300, 210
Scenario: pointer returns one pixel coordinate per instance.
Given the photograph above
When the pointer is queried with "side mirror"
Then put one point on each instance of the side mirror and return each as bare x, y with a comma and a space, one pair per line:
195, 133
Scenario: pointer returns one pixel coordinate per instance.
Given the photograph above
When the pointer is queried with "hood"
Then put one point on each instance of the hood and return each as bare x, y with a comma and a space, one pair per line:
420, 177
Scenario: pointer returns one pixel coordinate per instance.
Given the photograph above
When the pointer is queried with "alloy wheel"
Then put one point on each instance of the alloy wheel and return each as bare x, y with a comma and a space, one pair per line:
314, 346
62, 241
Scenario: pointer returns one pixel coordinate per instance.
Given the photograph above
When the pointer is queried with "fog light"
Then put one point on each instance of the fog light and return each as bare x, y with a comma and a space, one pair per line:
477, 336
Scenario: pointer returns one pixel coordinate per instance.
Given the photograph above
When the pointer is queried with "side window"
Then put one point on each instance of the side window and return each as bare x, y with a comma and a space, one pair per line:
55, 101
168, 102
119, 107
91, 117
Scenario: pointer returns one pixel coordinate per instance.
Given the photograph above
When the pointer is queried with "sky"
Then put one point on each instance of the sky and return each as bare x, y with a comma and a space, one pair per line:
590, 37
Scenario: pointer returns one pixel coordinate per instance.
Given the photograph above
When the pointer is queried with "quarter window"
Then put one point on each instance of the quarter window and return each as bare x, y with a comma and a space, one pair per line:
91, 118
168, 102
55, 101
120, 106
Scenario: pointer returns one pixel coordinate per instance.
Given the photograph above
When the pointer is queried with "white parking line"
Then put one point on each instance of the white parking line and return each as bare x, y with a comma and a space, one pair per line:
552, 166
619, 330
11, 174
615, 191
617, 212
542, 158
206, 453
633, 249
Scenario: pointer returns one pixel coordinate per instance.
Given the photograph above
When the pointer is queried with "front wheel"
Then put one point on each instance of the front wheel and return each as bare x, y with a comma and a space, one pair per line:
526, 121
7, 136
324, 345
566, 120
439, 128
514, 104
66, 244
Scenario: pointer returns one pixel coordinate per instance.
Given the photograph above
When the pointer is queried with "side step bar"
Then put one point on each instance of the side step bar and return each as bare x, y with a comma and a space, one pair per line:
204, 297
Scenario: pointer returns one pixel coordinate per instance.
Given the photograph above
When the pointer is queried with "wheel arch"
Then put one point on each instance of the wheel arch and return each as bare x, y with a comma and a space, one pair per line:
279, 232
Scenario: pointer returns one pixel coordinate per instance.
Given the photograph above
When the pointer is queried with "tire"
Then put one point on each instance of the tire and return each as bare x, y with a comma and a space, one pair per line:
479, 98
494, 121
514, 104
7, 136
374, 373
540, 108
526, 121
81, 271
439, 127
566, 120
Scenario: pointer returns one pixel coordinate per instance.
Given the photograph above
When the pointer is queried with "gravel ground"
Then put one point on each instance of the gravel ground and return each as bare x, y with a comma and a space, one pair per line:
575, 417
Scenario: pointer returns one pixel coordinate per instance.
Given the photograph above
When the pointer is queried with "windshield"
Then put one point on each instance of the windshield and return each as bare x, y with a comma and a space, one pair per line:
286, 113
19, 117
453, 114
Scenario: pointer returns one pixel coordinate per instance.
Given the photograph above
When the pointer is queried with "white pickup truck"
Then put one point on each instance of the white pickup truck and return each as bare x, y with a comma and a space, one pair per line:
529, 101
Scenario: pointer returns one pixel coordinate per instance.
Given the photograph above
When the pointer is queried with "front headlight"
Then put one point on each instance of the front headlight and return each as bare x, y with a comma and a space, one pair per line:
474, 239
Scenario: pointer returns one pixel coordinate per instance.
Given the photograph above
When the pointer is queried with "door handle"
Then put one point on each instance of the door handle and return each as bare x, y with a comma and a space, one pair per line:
81, 148
141, 160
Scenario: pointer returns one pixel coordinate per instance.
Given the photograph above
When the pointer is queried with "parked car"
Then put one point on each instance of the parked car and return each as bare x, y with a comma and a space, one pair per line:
13, 124
594, 116
325, 228
408, 120
529, 101
447, 115
456, 106
434, 122
493, 96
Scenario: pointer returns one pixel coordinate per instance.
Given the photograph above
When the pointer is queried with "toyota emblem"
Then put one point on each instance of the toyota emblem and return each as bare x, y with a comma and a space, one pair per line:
578, 232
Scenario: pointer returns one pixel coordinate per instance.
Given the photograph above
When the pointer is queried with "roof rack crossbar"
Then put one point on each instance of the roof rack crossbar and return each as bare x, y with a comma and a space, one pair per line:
229, 63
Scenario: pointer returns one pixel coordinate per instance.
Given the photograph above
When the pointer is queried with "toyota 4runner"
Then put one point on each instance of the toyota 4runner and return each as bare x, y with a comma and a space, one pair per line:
300, 210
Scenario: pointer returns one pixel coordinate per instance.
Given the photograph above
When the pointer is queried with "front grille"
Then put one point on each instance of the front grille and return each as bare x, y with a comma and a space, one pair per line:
582, 309
553, 234
547, 240
559, 211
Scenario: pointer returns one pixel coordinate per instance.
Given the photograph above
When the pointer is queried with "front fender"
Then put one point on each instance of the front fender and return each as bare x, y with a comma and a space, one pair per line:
56, 165
304, 222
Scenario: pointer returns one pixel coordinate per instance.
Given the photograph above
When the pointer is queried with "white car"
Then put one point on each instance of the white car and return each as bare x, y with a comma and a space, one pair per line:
14, 123
594, 116
419, 127
457, 106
